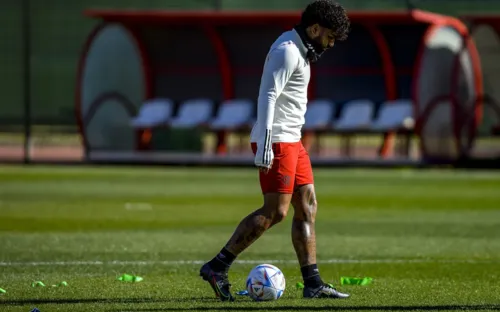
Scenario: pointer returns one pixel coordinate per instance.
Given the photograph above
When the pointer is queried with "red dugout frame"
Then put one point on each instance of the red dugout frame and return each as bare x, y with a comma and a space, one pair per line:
459, 120
209, 20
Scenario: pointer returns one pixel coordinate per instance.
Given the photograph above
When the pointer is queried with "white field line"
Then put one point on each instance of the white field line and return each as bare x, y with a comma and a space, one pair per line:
198, 262
138, 206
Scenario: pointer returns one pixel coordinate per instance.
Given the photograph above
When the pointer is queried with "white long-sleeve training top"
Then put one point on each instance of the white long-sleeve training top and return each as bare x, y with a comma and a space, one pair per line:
283, 92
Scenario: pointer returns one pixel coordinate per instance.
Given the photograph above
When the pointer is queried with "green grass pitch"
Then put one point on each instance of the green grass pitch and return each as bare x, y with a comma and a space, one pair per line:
430, 239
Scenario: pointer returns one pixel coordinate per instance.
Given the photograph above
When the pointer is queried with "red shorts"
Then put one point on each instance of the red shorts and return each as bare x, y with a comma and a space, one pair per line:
291, 168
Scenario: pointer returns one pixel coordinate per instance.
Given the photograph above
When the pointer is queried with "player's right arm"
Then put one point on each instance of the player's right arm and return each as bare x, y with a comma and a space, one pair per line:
279, 67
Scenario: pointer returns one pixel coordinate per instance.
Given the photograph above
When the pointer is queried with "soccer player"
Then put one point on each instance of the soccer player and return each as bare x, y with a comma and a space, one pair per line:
285, 171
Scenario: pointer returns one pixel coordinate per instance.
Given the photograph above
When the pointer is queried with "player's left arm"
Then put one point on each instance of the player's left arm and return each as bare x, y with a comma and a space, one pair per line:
279, 67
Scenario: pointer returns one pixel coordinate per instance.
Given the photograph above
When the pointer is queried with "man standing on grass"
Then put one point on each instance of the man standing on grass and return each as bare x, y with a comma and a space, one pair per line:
285, 170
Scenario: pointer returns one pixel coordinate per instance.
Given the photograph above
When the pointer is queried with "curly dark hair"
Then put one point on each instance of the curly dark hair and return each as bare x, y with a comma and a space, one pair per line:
328, 14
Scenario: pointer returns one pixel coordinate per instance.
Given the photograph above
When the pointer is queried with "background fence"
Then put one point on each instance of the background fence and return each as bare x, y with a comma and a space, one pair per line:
42, 40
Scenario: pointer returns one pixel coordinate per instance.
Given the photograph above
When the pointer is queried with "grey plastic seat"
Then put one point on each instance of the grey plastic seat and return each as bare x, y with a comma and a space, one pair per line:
356, 115
193, 113
153, 112
394, 115
233, 114
318, 115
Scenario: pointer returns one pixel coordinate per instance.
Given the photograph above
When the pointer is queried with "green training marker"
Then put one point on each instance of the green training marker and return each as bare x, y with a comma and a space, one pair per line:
130, 278
2, 291
63, 283
37, 284
363, 281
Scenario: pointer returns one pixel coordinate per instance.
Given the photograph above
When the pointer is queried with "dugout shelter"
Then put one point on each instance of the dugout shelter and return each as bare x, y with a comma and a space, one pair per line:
202, 69
485, 29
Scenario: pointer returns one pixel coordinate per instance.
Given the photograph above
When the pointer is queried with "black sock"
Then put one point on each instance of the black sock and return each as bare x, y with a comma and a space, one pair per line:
310, 274
222, 261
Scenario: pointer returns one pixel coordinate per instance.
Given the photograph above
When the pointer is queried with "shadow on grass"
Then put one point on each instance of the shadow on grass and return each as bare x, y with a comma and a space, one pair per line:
330, 308
21, 302
212, 304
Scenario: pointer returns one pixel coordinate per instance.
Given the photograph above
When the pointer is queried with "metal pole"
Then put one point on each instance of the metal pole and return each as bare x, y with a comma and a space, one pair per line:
27, 77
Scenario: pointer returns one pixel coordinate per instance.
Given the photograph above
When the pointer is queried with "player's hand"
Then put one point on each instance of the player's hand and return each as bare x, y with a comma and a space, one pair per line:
265, 169
264, 159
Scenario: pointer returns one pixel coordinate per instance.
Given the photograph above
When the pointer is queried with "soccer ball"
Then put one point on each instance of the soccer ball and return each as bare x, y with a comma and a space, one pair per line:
265, 282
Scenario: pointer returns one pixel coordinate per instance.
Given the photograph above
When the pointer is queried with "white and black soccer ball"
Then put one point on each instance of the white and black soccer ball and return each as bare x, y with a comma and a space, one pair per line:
265, 282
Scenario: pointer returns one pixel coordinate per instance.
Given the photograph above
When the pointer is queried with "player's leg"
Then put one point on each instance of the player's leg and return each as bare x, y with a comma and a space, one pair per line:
277, 186
304, 233
303, 224
248, 231
273, 211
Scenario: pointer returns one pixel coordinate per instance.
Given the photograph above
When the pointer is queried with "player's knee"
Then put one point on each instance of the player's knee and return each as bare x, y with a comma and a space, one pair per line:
276, 206
307, 212
312, 208
306, 204
276, 212
280, 214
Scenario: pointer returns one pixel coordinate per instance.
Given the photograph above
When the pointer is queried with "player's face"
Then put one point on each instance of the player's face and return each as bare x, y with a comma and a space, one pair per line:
323, 36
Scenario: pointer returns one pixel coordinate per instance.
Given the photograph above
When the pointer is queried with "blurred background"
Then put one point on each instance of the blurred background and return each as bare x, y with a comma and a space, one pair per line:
176, 82
43, 41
